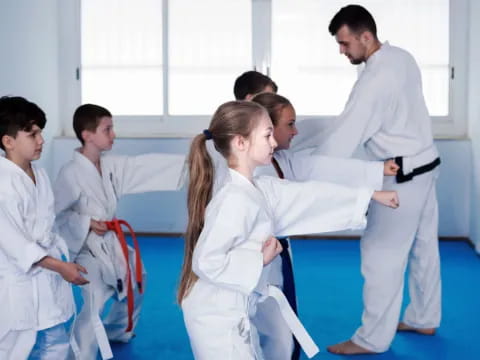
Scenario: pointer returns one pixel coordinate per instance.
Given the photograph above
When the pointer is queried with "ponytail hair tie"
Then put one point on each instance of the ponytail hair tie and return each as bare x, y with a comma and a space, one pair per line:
208, 134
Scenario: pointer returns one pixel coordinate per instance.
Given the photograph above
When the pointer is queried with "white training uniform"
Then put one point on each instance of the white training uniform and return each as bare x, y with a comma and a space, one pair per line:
82, 194
228, 256
275, 337
387, 115
35, 302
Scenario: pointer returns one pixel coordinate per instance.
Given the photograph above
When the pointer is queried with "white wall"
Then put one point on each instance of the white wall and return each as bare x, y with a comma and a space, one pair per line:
29, 40
29, 58
474, 120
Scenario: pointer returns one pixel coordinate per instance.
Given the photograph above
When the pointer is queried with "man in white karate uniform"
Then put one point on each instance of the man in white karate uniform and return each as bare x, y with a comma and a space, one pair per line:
35, 299
387, 115
87, 192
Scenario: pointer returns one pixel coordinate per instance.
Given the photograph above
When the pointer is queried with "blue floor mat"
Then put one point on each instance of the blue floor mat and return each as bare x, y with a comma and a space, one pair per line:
329, 288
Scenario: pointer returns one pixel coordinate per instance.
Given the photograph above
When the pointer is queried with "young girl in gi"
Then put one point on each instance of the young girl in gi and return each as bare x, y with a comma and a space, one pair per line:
230, 237
275, 338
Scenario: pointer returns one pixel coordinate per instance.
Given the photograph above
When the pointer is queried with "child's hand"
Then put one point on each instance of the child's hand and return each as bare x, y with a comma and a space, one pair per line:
387, 198
271, 248
98, 227
390, 168
71, 272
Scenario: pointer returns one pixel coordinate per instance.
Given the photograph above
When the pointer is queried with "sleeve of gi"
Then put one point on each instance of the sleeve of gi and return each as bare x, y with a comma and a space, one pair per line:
348, 172
15, 240
314, 207
71, 225
148, 172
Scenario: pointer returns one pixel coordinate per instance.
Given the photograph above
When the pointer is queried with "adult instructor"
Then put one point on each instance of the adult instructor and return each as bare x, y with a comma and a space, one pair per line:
387, 115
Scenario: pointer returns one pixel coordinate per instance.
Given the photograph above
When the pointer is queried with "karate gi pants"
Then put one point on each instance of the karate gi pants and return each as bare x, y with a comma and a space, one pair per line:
95, 296
394, 238
49, 344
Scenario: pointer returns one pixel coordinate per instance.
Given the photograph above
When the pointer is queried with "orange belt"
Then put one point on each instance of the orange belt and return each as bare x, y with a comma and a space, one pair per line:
116, 226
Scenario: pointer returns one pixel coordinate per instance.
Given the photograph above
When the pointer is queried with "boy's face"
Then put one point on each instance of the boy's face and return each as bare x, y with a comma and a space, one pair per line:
26, 146
104, 136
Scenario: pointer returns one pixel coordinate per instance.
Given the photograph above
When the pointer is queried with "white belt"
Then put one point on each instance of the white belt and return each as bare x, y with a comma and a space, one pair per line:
294, 324
99, 329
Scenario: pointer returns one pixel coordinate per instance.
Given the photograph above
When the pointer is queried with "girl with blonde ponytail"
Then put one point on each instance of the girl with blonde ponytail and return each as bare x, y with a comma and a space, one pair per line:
230, 242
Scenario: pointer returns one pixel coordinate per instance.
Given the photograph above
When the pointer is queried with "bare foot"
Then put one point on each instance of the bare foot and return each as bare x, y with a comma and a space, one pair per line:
348, 348
404, 327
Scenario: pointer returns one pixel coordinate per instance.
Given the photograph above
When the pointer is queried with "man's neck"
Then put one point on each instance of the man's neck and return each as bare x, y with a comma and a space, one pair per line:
374, 48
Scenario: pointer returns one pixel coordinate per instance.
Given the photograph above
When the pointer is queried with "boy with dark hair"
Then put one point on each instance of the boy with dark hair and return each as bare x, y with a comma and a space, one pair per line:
251, 83
36, 301
87, 191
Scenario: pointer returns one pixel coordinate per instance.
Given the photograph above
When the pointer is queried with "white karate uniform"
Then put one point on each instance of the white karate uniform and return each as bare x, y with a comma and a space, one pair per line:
82, 194
228, 259
275, 337
34, 301
387, 115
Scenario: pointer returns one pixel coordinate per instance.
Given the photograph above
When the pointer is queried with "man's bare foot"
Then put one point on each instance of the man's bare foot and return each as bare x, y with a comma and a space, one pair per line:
348, 348
404, 327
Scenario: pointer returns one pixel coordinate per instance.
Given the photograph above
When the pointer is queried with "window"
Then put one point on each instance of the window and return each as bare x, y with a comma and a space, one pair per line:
163, 66
317, 70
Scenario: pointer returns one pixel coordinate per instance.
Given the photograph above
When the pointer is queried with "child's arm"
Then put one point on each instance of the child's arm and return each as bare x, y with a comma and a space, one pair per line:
348, 172
271, 248
15, 241
148, 172
315, 207
70, 223
71, 272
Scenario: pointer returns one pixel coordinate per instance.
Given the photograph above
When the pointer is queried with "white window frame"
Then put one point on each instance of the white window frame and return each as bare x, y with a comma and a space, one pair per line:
452, 126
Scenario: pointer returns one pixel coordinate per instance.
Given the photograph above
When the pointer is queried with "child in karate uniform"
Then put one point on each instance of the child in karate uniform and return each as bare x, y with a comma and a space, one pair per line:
87, 191
36, 299
275, 338
230, 236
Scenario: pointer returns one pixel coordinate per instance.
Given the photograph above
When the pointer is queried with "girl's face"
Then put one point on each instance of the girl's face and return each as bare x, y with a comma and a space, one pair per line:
285, 129
262, 142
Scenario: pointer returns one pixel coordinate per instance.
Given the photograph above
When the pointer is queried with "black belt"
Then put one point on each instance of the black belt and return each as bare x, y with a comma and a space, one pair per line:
401, 177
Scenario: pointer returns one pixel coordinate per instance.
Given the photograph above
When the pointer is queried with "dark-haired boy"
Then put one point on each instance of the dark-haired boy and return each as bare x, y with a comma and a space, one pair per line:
35, 299
87, 191
251, 83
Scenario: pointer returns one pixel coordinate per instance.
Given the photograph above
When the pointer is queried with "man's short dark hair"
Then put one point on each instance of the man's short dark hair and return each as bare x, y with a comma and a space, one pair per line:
19, 114
252, 82
87, 117
356, 17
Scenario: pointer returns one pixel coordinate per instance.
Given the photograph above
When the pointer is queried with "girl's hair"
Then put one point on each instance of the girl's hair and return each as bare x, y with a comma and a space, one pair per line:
231, 119
274, 104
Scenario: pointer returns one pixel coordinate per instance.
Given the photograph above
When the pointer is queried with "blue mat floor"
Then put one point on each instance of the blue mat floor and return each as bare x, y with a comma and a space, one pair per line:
329, 288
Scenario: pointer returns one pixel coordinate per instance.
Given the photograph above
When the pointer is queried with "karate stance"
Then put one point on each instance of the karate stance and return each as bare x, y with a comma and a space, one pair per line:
230, 237
387, 115
275, 337
87, 191
35, 299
